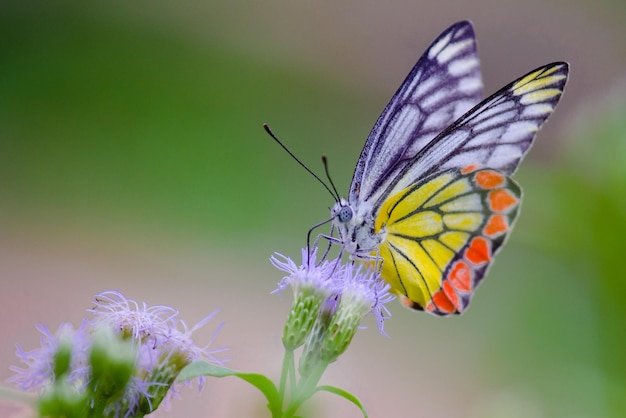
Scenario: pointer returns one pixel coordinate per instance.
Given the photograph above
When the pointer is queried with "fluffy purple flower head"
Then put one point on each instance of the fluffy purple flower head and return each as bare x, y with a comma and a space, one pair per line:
129, 318
363, 291
309, 274
39, 370
329, 294
155, 327
158, 342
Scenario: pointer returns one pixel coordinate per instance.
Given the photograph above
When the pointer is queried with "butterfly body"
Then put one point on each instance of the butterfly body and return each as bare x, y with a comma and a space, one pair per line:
431, 197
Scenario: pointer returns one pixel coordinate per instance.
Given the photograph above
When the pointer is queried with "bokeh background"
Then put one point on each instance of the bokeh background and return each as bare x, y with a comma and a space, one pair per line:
132, 157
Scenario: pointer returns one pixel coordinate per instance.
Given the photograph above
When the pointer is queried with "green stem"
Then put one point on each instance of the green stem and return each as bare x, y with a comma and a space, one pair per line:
292, 377
305, 389
285, 375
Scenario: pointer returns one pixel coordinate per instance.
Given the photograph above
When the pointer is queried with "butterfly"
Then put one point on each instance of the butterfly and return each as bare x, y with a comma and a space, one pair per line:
431, 200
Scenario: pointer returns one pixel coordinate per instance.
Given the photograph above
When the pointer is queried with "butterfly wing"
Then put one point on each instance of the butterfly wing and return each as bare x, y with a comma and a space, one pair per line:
497, 133
451, 209
442, 86
442, 234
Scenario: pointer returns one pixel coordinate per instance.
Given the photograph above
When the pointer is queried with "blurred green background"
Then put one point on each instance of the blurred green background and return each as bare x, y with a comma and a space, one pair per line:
132, 157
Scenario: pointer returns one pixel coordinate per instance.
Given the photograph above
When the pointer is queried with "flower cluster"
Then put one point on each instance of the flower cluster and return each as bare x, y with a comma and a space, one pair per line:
330, 300
122, 361
127, 358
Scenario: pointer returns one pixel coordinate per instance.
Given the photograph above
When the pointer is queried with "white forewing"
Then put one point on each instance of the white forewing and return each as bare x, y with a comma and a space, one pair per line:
496, 134
443, 85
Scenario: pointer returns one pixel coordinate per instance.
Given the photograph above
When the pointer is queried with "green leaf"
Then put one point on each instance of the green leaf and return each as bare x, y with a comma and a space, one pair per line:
202, 368
344, 394
261, 382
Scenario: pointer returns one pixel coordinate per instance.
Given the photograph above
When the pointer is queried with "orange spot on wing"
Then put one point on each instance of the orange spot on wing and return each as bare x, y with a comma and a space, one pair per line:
496, 225
478, 251
451, 294
469, 168
460, 276
501, 200
442, 302
488, 179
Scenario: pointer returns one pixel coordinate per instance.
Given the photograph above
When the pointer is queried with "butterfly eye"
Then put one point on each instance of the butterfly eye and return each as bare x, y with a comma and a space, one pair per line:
345, 214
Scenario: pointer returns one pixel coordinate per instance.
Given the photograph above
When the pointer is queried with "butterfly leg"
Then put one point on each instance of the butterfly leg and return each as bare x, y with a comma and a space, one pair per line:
331, 240
330, 243
315, 243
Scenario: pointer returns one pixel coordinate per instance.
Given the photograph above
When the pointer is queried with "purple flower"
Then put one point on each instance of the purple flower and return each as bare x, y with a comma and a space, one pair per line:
307, 275
359, 291
39, 370
363, 291
149, 343
330, 300
312, 285
128, 317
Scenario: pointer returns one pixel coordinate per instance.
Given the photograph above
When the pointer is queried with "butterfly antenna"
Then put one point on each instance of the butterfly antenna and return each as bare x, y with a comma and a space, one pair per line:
278, 141
330, 180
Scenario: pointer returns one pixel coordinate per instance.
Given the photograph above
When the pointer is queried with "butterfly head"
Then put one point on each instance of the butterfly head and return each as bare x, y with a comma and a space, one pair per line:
356, 228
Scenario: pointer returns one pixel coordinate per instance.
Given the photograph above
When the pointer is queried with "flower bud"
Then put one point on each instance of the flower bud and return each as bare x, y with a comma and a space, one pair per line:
112, 363
61, 399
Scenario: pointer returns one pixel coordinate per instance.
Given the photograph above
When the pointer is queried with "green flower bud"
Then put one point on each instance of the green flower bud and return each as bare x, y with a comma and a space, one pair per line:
302, 316
62, 400
112, 363
311, 357
62, 359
